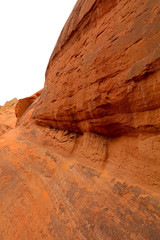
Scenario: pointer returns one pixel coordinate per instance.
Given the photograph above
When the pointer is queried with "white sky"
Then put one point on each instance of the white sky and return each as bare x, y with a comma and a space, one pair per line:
29, 30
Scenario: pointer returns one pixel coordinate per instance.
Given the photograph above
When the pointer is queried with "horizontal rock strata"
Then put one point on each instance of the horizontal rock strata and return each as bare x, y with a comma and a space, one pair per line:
103, 75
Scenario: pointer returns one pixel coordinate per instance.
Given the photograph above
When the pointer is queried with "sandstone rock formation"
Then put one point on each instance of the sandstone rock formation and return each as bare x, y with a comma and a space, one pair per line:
109, 53
23, 104
7, 116
84, 159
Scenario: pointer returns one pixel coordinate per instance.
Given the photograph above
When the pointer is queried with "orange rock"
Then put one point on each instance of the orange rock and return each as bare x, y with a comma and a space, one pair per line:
7, 116
23, 104
84, 159
55, 185
103, 75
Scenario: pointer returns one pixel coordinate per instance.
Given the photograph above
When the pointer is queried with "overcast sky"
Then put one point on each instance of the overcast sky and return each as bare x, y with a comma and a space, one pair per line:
29, 30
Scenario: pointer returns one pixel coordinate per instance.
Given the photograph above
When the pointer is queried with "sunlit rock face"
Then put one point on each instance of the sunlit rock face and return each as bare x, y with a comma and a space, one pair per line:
84, 159
7, 116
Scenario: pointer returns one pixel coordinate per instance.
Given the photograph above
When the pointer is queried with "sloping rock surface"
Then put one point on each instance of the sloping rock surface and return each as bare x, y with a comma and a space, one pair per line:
57, 185
7, 116
84, 159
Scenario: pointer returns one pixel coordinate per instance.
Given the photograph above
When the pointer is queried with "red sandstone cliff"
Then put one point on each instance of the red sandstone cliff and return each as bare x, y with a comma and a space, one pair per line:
103, 75
84, 160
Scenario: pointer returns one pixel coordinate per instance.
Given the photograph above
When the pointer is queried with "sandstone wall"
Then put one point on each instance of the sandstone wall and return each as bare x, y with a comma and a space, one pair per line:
103, 75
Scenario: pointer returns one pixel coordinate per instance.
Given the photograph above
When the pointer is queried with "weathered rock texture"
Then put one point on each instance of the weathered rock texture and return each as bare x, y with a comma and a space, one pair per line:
84, 160
7, 116
103, 75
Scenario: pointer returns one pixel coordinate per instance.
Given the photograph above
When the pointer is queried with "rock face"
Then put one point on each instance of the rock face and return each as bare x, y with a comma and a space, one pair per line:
103, 75
7, 116
84, 159
23, 104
